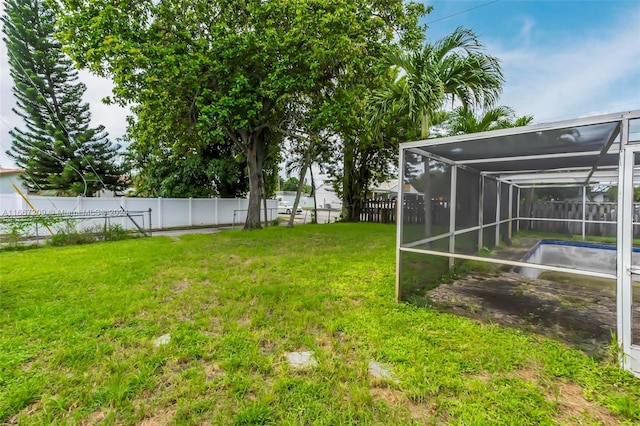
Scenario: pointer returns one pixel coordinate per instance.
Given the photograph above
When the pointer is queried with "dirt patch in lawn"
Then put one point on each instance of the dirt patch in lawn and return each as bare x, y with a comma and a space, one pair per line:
572, 405
160, 418
424, 412
571, 400
582, 316
578, 310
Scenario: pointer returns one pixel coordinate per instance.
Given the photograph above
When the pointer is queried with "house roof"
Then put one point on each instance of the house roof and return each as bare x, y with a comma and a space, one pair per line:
10, 171
388, 186
574, 151
391, 185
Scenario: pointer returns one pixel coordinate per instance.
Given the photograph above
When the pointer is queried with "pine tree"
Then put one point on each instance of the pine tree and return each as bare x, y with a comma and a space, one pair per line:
57, 148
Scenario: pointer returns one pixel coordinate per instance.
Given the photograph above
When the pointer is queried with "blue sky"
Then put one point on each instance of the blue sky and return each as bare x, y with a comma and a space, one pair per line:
561, 59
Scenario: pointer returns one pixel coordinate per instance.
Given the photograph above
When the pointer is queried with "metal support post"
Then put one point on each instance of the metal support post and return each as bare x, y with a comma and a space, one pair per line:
510, 224
480, 214
452, 214
498, 191
584, 212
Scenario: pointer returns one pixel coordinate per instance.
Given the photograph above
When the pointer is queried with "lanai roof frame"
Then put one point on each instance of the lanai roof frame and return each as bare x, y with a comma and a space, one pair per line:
580, 152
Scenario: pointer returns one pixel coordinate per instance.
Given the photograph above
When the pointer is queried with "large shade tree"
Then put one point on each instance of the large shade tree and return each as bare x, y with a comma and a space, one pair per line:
171, 158
233, 69
453, 69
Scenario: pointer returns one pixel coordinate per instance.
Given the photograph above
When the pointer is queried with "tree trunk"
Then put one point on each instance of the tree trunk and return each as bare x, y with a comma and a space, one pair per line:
350, 210
303, 174
255, 159
315, 201
264, 202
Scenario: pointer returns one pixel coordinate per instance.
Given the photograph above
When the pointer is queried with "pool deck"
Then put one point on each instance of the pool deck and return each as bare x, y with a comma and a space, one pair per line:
516, 251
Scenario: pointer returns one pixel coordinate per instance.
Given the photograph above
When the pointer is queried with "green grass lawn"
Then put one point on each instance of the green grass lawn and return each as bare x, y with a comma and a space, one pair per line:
78, 326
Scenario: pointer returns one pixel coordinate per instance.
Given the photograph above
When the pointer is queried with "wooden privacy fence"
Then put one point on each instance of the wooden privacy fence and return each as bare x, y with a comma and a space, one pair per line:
381, 211
596, 217
559, 216
384, 211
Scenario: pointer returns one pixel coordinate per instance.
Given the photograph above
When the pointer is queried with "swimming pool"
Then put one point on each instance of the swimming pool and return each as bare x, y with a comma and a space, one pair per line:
575, 255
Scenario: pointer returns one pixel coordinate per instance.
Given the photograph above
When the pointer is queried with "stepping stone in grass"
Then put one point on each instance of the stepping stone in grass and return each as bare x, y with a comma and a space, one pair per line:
301, 360
162, 340
382, 371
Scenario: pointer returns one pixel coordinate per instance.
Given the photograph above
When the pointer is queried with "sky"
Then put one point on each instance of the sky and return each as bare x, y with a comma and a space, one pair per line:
561, 59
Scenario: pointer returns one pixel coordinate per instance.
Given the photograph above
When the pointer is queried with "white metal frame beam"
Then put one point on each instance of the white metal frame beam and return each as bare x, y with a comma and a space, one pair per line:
510, 263
528, 157
452, 213
587, 121
604, 151
624, 175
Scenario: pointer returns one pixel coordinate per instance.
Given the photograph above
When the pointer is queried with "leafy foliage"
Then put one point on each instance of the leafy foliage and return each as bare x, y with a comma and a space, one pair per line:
206, 71
453, 68
14, 230
292, 183
464, 120
366, 149
214, 170
57, 148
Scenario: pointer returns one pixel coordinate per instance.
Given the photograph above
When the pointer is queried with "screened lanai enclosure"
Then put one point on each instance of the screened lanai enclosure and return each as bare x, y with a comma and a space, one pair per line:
554, 202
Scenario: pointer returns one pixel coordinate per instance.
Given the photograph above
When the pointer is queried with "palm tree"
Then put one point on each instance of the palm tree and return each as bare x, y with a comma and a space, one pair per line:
464, 120
452, 69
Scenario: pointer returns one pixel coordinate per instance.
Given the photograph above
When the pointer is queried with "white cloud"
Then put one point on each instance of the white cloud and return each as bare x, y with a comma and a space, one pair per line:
597, 74
525, 31
113, 117
8, 119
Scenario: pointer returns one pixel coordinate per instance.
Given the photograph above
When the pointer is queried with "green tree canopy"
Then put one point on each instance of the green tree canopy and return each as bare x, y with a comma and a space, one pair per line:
229, 68
292, 183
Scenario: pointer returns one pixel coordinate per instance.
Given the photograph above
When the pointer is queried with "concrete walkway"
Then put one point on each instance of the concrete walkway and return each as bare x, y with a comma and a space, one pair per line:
178, 232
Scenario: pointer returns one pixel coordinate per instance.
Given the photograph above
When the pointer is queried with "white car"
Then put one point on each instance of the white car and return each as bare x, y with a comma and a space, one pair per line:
285, 207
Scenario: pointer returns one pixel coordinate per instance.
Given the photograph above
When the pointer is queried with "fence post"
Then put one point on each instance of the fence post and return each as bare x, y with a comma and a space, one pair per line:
190, 211
79, 204
160, 213
123, 206
216, 217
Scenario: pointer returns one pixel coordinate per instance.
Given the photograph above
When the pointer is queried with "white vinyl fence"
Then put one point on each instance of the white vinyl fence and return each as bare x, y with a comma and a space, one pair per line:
163, 212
